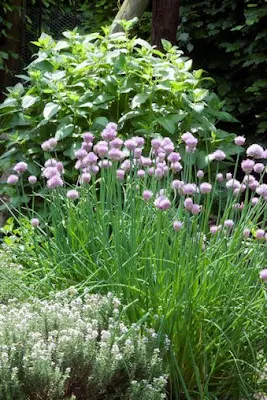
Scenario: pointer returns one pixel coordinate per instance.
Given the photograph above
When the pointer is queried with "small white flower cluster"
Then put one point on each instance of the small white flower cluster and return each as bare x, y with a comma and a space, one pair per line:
62, 346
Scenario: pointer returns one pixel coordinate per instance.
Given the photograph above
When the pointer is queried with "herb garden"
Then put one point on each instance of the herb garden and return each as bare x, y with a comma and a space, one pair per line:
133, 253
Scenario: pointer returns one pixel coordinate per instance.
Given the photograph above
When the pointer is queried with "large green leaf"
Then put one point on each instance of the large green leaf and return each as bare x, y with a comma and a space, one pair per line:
64, 131
29, 101
139, 99
50, 110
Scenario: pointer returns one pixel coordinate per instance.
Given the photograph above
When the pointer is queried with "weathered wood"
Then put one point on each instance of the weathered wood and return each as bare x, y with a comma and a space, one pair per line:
129, 10
165, 19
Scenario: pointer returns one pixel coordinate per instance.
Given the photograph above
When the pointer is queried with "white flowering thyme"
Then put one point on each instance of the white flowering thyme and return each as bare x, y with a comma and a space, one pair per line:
76, 348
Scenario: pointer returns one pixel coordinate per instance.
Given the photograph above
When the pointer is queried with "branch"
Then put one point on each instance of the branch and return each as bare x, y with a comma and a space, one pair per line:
129, 10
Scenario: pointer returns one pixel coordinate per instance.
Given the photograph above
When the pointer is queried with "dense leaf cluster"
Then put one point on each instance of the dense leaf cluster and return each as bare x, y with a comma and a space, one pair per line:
82, 82
229, 40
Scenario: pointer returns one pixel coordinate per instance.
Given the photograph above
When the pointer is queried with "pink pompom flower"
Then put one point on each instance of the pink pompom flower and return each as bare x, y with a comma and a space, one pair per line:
247, 166
205, 188
12, 179
177, 225
263, 274
147, 194
72, 194
32, 180
162, 203
35, 222
240, 140
255, 151
20, 167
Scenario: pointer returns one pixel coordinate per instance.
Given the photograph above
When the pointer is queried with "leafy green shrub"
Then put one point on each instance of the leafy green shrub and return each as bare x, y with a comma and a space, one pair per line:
76, 348
234, 32
84, 81
144, 228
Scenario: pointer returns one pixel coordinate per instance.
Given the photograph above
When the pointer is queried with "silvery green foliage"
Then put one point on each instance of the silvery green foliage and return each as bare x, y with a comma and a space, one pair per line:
77, 347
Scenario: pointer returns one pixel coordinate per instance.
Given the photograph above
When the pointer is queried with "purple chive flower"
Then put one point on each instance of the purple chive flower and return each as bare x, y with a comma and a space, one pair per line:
196, 209
72, 194
78, 164
254, 201
60, 167
260, 233
218, 155
189, 189
254, 185
139, 140
205, 187
161, 156
120, 173
86, 177
87, 146
169, 147
188, 204
48, 172
239, 140
49, 144
229, 223
94, 169
146, 161
116, 143
264, 155
219, 177
110, 132
101, 148
80, 154
174, 157
105, 164
88, 137
20, 167
126, 165
130, 144
233, 184
176, 167
54, 182
214, 229
147, 194
137, 152
255, 151
258, 168
151, 171
262, 190
159, 173
155, 143
50, 163
177, 185
200, 174
12, 179
141, 173
162, 203
229, 176
91, 158
246, 233
32, 180
247, 166
190, 141
263, 274
115, 154
35, 222
177, 225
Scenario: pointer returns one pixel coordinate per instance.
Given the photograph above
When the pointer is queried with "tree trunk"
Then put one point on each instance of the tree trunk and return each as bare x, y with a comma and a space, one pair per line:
129, 10
165, 19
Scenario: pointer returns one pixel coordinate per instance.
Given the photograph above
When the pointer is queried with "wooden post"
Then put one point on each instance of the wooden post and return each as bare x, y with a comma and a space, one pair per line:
165, 19
129, 10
